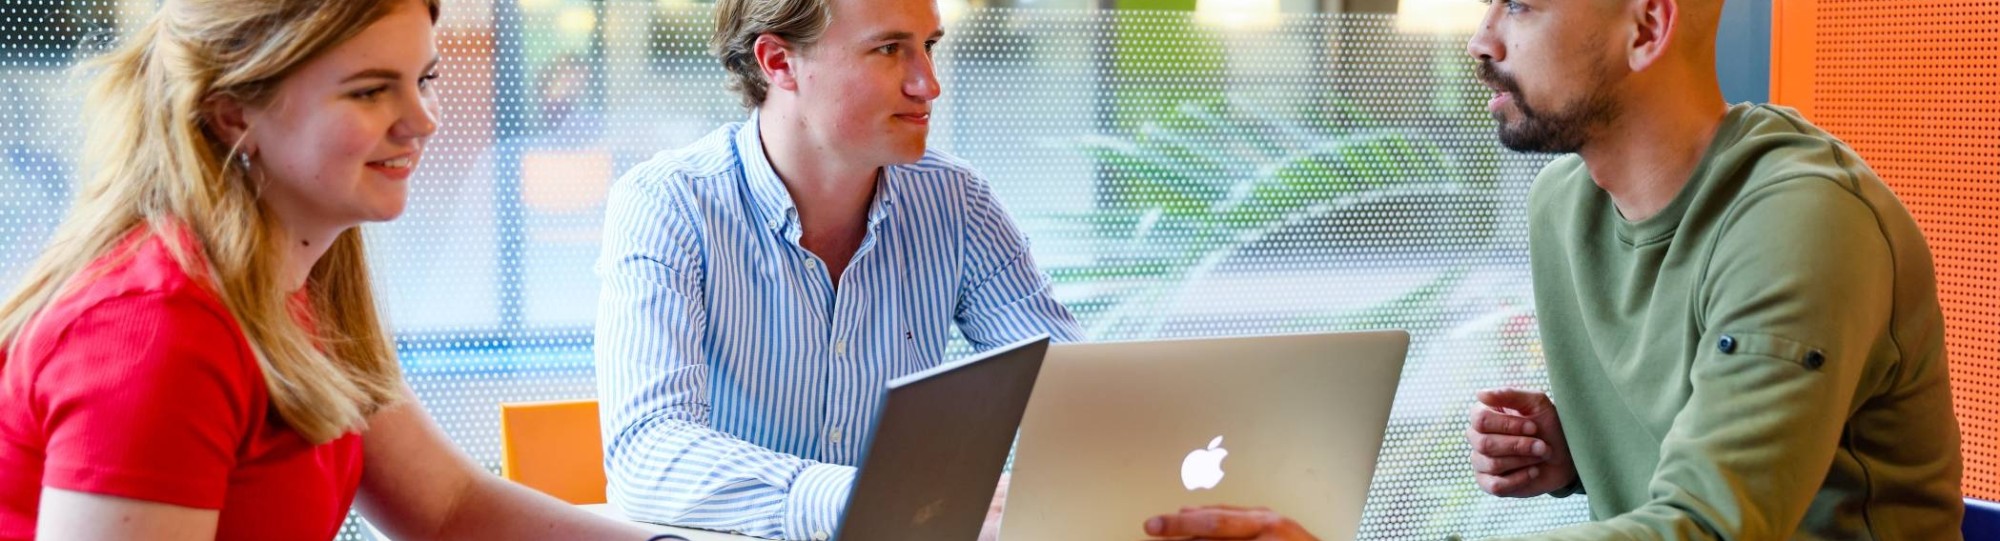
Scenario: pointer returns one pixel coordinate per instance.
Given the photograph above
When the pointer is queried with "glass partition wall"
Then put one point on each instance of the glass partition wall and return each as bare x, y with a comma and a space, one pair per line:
1181, 173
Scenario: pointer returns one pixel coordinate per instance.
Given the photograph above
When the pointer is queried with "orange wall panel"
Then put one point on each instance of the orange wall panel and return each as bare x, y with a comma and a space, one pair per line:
1914, 86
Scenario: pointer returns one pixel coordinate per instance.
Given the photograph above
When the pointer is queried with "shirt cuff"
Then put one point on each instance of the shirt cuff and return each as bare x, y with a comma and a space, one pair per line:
812, 508
1574, 488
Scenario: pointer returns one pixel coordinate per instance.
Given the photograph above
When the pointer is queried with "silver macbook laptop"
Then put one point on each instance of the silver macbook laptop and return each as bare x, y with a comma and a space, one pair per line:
938, 445
1119, 432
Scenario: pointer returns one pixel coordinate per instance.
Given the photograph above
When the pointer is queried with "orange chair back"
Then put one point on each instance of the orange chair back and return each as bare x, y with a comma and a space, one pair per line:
554, 447
1914, 86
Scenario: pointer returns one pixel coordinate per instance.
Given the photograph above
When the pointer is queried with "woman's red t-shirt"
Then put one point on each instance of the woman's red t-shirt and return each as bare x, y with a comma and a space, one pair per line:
140, 385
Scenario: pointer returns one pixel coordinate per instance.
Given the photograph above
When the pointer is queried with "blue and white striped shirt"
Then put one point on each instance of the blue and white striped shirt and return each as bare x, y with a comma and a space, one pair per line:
735, 382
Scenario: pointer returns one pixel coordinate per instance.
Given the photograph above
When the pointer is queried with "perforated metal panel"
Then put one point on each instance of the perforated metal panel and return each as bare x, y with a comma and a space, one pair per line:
1914, 86
1180, 174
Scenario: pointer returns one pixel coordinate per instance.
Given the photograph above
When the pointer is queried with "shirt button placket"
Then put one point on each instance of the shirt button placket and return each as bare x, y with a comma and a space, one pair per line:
835, 439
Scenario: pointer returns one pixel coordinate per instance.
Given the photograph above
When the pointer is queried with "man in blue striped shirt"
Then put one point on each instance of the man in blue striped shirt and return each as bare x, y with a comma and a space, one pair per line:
762, 285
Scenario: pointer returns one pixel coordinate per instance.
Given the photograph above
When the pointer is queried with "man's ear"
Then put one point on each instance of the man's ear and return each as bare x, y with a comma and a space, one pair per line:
1653, 24
775, 56
227, 122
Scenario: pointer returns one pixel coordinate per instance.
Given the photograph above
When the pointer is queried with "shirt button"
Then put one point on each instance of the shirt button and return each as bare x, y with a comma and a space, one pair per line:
840, 348
833, 434
1815, 359
820, 535
1727, 344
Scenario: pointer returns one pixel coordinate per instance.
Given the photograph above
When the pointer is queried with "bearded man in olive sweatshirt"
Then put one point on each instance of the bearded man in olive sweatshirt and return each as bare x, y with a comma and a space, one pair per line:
1741, 320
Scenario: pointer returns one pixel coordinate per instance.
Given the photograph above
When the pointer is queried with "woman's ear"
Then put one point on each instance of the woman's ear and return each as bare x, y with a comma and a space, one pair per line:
225, 119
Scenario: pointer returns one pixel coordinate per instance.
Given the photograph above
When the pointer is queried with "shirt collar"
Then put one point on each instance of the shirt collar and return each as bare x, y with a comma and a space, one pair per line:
767, 191
773, 202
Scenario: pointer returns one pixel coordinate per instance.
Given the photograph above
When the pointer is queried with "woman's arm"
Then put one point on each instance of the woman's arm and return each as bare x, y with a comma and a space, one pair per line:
79, 516
416, 485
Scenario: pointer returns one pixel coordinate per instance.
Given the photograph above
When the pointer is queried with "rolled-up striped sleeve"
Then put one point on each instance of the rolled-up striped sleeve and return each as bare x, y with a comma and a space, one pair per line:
1005, 297
664, 460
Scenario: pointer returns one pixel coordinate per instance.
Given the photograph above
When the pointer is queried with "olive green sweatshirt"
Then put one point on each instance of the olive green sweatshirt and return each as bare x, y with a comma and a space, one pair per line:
1764, 359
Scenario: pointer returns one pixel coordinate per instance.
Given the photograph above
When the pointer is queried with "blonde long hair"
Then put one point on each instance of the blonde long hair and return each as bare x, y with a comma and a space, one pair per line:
149, 161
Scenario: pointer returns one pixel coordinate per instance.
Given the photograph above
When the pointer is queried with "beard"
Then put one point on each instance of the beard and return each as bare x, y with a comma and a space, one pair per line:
1565, 129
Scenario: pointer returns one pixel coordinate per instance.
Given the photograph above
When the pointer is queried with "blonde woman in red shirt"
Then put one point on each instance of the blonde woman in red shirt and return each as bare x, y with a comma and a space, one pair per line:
197, 354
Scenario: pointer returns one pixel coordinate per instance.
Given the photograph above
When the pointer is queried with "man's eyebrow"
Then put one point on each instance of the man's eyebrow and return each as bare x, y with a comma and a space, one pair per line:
899, 35
891, 35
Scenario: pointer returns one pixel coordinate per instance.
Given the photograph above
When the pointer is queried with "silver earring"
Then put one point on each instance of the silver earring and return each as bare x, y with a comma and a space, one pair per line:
255, 184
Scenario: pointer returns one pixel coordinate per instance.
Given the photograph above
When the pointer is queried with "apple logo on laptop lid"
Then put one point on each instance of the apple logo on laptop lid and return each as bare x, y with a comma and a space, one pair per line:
1203, 468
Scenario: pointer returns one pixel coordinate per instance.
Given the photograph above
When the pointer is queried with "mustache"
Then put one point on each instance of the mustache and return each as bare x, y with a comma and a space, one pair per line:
1492, 76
